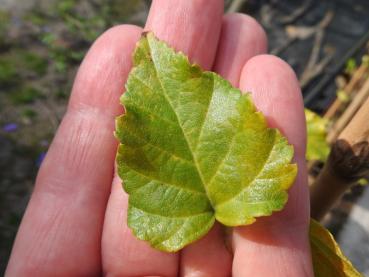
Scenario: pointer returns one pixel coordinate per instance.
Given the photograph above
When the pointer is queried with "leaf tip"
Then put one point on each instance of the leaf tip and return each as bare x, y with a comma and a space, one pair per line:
145, 33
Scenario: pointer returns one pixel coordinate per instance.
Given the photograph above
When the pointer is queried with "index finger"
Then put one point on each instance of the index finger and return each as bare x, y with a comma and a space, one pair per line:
192, 27
60, 232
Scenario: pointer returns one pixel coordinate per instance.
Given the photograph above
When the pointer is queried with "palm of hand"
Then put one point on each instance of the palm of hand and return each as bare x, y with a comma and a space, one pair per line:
75, 223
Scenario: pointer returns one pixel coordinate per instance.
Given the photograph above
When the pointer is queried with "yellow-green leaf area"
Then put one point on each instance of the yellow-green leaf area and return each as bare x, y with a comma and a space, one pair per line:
317, 145
193, 150
328, 259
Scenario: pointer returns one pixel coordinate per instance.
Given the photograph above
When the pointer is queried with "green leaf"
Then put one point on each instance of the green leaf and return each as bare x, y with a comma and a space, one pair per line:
317, 145
193, 149
343, 96
351, 66
363, 181
328, 259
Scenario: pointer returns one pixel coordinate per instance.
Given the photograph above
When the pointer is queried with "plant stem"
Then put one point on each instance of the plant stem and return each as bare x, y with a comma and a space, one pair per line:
236, 6
346, 164
349, 89
359, 99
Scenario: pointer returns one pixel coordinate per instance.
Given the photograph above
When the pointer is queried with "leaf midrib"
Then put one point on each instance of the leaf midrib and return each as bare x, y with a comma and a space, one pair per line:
188, 145
175, 113
180, 217
164, 182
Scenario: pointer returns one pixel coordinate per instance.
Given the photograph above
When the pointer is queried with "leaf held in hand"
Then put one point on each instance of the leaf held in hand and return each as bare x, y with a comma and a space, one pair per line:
194, 149
328, 259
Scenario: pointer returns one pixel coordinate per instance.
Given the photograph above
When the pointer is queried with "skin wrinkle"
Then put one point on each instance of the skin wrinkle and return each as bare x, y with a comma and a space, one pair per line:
37, 259
47, 234
100, 69
280, 255
84, 134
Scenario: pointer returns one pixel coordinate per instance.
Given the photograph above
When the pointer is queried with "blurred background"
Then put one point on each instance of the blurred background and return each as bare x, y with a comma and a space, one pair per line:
42, 43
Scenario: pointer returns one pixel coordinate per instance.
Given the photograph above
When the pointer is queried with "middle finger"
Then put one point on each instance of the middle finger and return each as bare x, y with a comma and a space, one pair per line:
192, 27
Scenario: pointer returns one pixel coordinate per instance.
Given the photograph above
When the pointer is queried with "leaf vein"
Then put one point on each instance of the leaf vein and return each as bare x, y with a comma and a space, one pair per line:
174, 111
178, 186
173, 217
256, 176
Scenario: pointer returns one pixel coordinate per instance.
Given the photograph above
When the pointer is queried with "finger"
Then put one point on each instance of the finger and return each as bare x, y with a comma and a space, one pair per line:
207, 257
60, 234
124, 254
241, 38
192, 27
277, 245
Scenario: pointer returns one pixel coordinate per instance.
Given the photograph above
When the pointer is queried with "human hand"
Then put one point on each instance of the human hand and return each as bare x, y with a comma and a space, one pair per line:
75, 223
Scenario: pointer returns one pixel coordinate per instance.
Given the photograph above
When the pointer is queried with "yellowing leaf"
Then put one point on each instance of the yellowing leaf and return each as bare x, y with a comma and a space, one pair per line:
363, 181
317, 145
343, 96
328, 259
193, 149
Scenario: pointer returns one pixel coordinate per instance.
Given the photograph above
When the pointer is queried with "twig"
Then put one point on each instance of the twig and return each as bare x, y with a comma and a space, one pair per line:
326, 80
348, 89
297, 13
295, 33
349, 113
314, 68
276, 51
316, 49
236, 5
346, 164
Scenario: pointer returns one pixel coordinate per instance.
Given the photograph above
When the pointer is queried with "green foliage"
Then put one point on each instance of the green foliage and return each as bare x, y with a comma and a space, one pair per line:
328, 259
317, 145
18, 63
363, 181
25, 95
65, 6
29, 113
36, 18
194, 149
34, 62
351, 66
57, 51
365, 60
343, 96
4, 25
8, 72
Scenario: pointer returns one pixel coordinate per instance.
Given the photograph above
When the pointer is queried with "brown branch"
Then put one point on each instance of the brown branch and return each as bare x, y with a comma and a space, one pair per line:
346, 164
295, 33
297, 13
350, 111
348, 89
278, 50
314, 68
